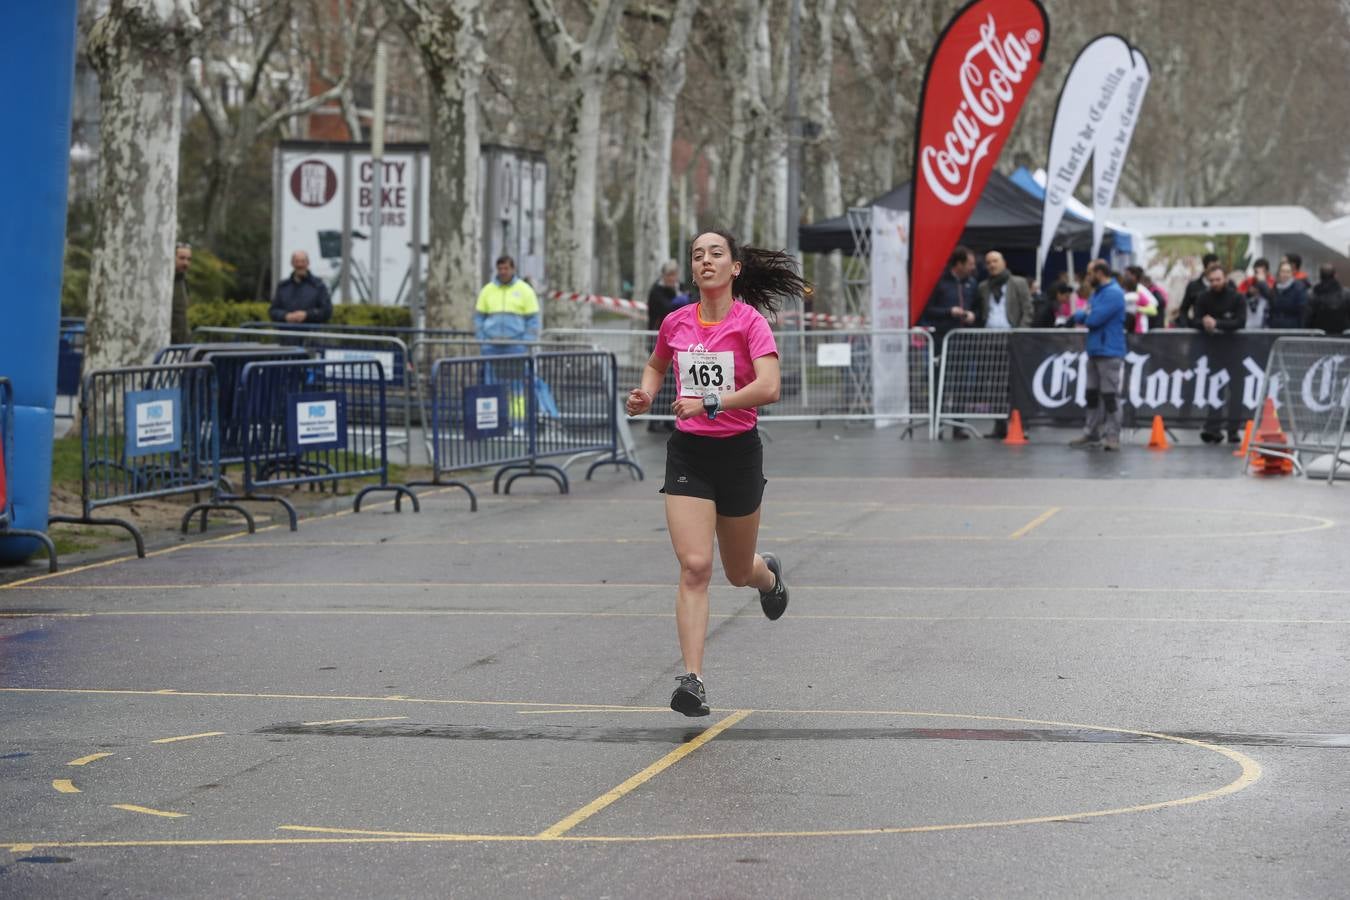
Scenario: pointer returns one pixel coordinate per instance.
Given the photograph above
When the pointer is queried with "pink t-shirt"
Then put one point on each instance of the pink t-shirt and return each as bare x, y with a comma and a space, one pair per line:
718, 357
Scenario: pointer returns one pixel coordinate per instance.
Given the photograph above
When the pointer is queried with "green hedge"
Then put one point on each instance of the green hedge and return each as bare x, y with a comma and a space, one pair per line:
223, 314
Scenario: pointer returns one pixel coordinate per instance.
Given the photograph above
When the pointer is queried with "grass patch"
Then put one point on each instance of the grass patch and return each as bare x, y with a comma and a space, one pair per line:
66, 463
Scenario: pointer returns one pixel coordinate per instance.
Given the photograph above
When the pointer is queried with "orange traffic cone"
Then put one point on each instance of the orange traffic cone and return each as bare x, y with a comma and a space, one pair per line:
1157, 440
1246, 439
1272, 436
1016, 436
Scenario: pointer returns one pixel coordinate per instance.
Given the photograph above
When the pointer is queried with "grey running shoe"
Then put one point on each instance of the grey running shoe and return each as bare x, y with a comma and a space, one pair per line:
1085, 442
774, 602
1111, 444
690, 698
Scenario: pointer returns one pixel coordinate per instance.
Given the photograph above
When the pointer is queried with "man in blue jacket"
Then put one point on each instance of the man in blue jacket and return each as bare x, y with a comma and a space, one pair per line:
303, 297
1105, 319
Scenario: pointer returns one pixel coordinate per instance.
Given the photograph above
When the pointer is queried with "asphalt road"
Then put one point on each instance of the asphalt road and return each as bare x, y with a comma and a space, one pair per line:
1004, 672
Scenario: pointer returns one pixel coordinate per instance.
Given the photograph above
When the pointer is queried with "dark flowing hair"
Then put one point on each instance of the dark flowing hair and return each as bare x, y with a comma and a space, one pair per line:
766, 275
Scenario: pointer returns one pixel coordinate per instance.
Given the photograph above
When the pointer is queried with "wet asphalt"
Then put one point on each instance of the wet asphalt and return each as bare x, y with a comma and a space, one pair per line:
1012, 672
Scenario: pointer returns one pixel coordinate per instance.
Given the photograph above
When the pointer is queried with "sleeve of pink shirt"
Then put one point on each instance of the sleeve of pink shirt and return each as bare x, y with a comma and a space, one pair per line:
662, 348
759, 337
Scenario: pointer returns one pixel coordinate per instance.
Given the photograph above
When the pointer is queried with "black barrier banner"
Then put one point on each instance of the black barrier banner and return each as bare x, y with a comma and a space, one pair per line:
1183, 376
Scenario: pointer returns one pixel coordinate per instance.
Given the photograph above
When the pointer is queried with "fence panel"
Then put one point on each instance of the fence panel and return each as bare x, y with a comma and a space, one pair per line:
577, 409
148, 432
973, 382
313, 422
391, 352
6, 442
1309, 380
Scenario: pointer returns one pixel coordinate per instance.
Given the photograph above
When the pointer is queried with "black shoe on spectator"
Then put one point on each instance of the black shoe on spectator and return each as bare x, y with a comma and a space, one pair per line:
690, 698
1211, 437
1234, 437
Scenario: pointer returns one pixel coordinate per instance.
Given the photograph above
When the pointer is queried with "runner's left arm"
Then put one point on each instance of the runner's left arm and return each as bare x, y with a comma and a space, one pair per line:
760, 392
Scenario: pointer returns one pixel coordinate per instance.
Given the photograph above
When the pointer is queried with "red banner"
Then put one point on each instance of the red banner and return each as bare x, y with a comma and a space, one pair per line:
980, 73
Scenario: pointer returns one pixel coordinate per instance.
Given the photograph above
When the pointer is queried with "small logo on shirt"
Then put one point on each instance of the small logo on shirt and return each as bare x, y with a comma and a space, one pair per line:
683, 479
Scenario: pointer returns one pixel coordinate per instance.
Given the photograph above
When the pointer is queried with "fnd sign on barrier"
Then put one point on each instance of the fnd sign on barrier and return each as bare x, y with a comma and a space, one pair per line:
154, 423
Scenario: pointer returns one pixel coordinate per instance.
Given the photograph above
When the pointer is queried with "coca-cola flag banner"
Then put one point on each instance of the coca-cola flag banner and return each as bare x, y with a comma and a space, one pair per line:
1081, 118
1184, 376
978, 77
1113, 143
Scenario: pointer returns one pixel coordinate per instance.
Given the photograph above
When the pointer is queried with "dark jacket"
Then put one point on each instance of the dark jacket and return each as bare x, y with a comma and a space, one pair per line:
660, 301
308, 294
948, 294
179, 333
1105, 319
1186, 317
1288, 306
1016, 301
1329, 308
1227, 307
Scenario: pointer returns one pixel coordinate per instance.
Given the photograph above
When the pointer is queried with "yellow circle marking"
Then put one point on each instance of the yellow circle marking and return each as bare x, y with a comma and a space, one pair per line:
1249, 773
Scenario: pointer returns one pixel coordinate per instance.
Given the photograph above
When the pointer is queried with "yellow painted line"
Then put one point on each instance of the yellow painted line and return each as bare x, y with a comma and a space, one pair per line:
86, 760
186, 737
164, 814
565, 825
433, 835
345, 721
65, 786
1034, 524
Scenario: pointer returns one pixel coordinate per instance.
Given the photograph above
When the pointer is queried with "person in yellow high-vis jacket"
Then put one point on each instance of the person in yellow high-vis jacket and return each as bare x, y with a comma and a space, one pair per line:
507, 310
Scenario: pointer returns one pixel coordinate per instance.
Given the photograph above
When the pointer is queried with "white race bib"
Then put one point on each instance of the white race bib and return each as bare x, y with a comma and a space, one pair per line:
702, 372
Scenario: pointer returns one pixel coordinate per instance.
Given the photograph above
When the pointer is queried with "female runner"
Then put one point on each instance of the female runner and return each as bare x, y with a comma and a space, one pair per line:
726, 366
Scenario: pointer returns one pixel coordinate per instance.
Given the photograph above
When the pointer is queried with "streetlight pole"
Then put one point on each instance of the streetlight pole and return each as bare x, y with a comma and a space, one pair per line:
794, 123
377, 160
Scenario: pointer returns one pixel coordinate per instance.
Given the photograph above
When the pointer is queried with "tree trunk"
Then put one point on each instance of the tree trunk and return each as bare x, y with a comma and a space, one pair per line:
449, 36
662, 84
829, 186
138, 49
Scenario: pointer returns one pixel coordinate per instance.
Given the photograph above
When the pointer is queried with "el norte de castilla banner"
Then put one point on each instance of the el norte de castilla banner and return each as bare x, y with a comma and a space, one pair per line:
1186, 377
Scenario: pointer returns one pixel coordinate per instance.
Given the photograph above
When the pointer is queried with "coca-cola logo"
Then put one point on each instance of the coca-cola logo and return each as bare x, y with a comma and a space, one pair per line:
992, 68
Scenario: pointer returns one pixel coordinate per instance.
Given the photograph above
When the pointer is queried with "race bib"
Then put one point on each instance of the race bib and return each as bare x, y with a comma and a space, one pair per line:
702, 371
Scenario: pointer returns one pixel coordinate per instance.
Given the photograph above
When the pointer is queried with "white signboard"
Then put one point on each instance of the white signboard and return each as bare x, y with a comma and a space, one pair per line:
386, 358
832, 356
154, 424
486, 413
316, 422
890, 311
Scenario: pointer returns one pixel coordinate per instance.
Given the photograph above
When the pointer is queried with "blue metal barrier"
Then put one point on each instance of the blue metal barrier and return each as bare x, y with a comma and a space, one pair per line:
147, 432
510, 411
315, 421
6, 466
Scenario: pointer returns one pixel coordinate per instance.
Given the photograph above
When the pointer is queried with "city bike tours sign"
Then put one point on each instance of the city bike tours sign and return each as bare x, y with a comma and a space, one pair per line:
978, 77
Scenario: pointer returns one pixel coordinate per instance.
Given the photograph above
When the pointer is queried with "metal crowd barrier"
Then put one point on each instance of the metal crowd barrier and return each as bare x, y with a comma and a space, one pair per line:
406, 333
826, 375
315, 421
511, 411
1309, 380
391, 352
6, 466
147, 432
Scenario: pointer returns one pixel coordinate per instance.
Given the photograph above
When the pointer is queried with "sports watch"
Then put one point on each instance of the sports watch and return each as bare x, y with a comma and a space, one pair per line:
712, 404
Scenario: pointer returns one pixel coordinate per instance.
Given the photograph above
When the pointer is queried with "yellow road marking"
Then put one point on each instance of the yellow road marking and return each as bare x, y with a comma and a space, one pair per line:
164, 814
440, 836
345, 721
586, 614
565, 825
65, 786
1034, 524
86, 760
186, 737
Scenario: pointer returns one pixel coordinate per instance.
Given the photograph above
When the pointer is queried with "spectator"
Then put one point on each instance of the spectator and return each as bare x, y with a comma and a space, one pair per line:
1061, 306
302, 297
1288, 300
179, 333
1296, 263
952, 303
661, 299
1140, 304
1105, 319
1257, 295
1004, 298
1185, 316
507, 310
1157, 319
1043, 307
1329, 308
1260, 272
1219, 310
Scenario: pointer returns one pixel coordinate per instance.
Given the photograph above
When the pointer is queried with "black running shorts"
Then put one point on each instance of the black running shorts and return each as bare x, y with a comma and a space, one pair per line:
728, 471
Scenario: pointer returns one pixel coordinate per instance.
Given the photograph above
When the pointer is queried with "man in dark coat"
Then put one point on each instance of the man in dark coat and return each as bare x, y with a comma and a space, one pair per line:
1219, 310
1329, 307
179, 333
1185, 314
954, 300
302, 297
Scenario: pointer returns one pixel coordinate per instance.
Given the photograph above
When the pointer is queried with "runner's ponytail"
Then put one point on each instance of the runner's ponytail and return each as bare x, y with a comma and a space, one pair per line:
766, 276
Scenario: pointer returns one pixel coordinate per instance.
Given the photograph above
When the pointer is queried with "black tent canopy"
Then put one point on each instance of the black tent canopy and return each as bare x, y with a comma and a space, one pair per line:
1006, 218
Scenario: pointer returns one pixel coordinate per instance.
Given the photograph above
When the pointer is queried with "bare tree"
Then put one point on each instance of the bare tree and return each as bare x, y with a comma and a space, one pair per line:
819, 69
253, 72
580, 70
449, 35
138, 48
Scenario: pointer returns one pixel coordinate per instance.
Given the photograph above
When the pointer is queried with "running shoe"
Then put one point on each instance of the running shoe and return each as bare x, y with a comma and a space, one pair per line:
690, 698
1086, 442
774, 602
